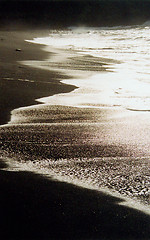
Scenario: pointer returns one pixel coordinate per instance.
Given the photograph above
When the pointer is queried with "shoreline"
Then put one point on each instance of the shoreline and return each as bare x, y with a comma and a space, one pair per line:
40, 206
20, 85
88, 132
45, 168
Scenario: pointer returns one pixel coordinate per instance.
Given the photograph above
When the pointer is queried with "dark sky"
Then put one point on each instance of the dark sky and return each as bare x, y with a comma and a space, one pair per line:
75, 12
75, 0
79, 0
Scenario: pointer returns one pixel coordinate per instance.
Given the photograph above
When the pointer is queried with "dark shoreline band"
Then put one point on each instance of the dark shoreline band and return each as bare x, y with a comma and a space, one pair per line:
15, 93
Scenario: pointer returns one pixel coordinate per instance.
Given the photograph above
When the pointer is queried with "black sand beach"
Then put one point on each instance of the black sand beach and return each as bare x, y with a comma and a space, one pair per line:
21, 85
34, 206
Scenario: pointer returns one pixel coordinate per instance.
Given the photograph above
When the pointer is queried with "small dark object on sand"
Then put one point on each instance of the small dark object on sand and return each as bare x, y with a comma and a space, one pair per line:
18, 50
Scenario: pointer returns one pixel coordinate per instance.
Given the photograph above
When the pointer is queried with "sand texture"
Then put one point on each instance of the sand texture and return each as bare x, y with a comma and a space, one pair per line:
57, 162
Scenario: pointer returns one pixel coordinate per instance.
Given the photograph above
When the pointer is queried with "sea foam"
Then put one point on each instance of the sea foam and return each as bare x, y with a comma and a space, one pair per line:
122, 52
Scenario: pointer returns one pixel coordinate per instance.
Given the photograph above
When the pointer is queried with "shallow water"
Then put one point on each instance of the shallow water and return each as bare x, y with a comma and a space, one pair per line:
125, 55
87, 137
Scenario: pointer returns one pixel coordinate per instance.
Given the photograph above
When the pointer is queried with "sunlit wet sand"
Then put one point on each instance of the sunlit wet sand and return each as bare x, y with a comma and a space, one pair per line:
88, 138
91, 121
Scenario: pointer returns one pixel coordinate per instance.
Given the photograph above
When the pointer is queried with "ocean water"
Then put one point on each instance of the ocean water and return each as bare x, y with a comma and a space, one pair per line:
89, 137
125, 53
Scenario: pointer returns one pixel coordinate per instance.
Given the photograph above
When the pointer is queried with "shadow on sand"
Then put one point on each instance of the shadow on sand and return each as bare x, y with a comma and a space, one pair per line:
33, 207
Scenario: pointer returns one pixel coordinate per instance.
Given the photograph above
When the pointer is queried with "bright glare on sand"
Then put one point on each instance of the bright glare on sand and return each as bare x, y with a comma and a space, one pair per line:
126, 82
110, 69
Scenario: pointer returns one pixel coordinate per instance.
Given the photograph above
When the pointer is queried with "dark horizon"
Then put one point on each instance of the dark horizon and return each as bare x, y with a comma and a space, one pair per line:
63, 13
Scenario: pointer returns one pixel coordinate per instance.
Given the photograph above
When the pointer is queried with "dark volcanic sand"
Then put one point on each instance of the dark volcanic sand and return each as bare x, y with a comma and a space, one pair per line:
15, 91
33, 207
36, 207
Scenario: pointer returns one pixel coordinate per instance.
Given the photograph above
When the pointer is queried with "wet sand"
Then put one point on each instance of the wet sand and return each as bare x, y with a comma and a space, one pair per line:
21, 85
33, 207
36, 207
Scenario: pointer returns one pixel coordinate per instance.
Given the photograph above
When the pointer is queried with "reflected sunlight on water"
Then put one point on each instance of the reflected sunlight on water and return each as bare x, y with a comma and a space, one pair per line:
78, 50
